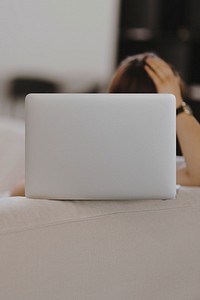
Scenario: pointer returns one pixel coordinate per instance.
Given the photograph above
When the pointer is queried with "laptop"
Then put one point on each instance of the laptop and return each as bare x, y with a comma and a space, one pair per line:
100, 146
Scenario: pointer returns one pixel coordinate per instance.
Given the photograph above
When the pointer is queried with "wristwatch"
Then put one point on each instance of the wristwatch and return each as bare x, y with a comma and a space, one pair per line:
184, 108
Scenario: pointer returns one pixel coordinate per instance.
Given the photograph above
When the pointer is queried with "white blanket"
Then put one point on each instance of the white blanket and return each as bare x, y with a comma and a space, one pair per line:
56, 250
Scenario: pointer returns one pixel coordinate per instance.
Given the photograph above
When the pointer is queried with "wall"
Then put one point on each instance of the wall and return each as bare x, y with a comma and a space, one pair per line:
63, 38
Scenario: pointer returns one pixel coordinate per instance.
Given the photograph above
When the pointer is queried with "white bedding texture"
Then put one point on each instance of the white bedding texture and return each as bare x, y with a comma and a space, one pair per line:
147, 249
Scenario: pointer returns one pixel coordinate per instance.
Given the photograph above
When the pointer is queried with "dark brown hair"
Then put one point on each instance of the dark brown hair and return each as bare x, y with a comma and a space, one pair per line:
131, 77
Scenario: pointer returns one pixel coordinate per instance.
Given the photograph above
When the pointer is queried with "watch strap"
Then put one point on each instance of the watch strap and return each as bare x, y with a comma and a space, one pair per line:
179, 110
184, 108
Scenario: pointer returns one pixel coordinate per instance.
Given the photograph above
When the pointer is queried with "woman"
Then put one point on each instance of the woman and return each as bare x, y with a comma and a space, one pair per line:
147, 73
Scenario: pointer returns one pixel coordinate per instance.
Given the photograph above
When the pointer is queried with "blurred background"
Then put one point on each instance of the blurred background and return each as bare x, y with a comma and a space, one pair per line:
75, 46
55, 46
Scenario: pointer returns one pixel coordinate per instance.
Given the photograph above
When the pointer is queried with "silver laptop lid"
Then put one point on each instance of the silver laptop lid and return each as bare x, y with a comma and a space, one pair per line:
100, 146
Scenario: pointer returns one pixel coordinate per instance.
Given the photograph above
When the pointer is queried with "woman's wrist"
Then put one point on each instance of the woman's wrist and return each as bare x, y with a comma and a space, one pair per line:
179, 101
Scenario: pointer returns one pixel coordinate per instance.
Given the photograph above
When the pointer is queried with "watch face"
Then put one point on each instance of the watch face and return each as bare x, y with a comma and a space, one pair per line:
187, 109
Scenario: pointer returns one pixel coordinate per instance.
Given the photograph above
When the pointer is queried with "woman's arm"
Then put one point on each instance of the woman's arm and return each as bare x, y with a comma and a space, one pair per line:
187, 127
188, 132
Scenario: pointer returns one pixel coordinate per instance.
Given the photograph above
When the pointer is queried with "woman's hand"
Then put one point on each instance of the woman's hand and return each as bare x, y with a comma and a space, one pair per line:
163, 77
